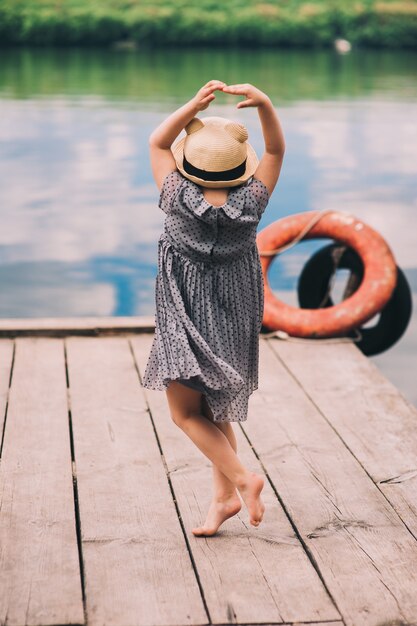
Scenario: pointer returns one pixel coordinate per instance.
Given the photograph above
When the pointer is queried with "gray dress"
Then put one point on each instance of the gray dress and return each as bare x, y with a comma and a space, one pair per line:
209, 295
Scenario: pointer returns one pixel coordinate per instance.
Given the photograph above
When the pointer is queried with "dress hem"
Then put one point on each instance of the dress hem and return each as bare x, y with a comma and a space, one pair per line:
163, 387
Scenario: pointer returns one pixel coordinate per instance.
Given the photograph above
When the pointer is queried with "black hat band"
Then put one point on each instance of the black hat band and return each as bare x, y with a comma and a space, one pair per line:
236, 172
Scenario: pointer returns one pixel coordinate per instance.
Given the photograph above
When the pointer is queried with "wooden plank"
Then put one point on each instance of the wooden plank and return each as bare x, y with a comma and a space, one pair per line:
248, 574
39, 565
332, 623
6, 358
367, 557
372, 417
61, 326
137, 567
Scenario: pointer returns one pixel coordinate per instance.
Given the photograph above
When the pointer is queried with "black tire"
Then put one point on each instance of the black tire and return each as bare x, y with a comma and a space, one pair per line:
313, 293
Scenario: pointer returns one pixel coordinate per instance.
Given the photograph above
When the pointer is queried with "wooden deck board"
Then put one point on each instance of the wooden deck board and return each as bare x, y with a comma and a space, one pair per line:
39, 564
62, 326
366, 555
241, 569
337, 544
368, 412
6, 357
137, 567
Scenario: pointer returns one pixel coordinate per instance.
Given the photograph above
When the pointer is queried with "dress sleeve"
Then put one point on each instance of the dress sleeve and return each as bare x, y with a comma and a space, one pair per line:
169, 188
260, 193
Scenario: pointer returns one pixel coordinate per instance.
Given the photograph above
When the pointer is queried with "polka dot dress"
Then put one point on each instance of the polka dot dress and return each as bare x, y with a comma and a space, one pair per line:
209, 295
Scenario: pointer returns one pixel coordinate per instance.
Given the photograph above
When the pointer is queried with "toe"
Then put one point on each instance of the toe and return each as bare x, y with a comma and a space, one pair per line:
202, 531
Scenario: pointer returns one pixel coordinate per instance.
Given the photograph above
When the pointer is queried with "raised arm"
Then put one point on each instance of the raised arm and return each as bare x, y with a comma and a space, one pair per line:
162, 138
269, 167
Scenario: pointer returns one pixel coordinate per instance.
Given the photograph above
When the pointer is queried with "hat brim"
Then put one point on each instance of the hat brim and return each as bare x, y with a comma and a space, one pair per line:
252, 162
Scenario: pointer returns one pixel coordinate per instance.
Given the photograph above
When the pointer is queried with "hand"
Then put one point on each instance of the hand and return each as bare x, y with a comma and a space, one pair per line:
205, 95
254, 97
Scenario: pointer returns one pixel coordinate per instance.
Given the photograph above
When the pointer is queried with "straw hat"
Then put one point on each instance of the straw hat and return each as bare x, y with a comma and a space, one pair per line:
215, 153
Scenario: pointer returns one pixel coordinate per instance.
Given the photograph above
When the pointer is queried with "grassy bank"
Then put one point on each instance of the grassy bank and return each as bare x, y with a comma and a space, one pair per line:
390, 24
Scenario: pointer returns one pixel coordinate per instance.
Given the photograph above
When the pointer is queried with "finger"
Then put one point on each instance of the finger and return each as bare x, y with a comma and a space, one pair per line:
239, 86
208, 90
235, 89
208, 99
211, 83
218, 85
244, 103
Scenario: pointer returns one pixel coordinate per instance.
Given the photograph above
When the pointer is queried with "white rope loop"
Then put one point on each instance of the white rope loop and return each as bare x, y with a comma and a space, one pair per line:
300, 235
281, 334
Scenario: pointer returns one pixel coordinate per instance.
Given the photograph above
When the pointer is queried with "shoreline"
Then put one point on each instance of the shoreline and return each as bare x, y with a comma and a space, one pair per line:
389, 24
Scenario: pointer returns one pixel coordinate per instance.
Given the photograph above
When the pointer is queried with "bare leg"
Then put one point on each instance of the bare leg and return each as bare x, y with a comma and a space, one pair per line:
225, 502
186, 412
223, 487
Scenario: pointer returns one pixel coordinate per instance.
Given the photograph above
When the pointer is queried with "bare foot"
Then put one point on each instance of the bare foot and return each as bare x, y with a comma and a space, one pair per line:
219, 511
250, 493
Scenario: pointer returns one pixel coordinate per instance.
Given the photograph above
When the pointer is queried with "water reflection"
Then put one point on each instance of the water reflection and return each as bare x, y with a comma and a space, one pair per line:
79, 211
164, 76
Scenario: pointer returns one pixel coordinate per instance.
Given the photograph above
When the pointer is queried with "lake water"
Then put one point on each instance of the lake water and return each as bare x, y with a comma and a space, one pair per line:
78, 204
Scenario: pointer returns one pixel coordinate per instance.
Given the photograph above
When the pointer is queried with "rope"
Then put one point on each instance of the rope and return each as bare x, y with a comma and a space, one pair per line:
337, 254
300, 235
281, 334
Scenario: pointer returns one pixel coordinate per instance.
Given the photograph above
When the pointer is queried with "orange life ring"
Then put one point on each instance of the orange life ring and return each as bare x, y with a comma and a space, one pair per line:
376, 288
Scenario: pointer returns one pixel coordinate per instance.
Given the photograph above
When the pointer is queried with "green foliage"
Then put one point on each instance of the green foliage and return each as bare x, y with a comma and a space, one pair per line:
187, 22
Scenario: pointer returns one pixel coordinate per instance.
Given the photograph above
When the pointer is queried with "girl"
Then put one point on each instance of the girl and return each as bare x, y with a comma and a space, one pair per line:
209, 287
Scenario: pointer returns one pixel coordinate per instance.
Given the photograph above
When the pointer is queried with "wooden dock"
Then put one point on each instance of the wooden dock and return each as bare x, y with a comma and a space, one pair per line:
99, 489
